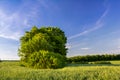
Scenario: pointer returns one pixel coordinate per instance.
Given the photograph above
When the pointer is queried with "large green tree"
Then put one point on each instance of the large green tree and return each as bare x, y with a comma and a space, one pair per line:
50, 39
56, 38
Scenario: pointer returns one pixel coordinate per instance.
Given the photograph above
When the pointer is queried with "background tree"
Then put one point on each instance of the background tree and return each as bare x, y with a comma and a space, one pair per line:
0, 60
50, 39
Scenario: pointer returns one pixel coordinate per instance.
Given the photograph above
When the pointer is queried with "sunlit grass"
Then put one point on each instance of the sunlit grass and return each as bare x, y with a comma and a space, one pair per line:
115, 62
13, 71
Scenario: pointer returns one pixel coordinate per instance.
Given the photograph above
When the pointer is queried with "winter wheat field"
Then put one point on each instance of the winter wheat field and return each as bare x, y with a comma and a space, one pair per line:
11, 70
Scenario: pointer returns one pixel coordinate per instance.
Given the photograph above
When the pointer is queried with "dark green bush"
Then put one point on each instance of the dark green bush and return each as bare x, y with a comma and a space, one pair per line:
102, 62
82, 62
45, 59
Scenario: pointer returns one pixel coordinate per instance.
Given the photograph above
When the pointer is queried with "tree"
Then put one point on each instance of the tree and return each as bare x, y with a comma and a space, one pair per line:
0, 60
50, 39
56, 38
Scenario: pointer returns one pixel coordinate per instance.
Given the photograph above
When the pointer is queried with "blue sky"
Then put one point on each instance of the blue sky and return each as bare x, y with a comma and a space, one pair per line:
91, 26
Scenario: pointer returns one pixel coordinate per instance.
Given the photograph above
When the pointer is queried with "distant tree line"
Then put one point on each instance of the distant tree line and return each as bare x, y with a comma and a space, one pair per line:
90, 58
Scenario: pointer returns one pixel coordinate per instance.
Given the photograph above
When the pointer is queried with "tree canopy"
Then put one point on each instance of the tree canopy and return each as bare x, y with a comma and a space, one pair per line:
46, 39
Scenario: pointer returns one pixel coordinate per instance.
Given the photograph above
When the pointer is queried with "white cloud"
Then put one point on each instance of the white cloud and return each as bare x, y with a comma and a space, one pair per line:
86, 31
114, 51
14, 36
12, 26
9, 26
8, 54
85, 48
8, 57
97, 25
99, 21
68, 46
119, 47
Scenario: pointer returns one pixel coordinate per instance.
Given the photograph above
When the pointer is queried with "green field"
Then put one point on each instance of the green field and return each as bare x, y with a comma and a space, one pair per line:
13, 71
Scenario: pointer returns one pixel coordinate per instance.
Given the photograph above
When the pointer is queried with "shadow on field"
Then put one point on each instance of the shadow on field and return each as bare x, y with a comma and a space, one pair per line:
78, 65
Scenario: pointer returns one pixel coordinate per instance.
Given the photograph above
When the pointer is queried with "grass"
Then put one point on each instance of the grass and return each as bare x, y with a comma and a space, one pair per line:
13, 71
115, 62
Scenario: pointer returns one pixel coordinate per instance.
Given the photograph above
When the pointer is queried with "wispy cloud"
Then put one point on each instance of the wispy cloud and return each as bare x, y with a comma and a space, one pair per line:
8, 56
68, 46
85, 48
97, 25
12, 26
86, 31
99, 21
114, 51
118, 47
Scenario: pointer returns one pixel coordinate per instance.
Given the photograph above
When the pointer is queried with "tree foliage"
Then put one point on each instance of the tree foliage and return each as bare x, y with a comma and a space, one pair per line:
37, 42
90, 58
46, 59
0, 60
56, 38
